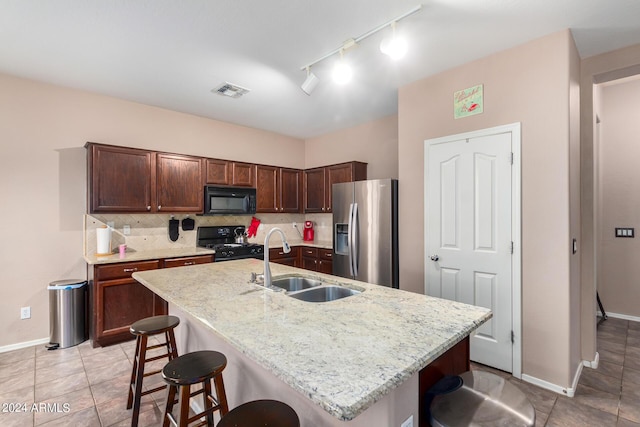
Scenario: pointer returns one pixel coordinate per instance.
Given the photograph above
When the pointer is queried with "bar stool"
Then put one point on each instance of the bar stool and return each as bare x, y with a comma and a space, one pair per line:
267, 413
143, 329
191, 369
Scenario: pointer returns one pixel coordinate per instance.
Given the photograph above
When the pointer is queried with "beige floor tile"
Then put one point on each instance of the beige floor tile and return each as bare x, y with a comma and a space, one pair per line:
9, 357
17, 381
16, 419
542, 400
114, 411
598, 381
17, 395
111, 389
610, 356
568, 413
596, 399
85, 418
60, 370
541, 419
610, 346
19, 367
630, 408
61, 386
54, 357
64, 405
148, 418
626, 423
610, 369
631, 375
633, 341
632, 352
114, 354
104, 373
619, 323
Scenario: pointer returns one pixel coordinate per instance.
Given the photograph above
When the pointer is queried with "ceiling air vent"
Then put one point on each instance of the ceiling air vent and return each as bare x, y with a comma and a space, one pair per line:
231, 90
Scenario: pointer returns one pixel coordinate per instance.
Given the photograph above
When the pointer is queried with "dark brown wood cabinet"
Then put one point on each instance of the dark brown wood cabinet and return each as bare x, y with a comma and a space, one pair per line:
291, 259
185, 261
117, 300
317, 259
120, 179
278, 189
318, 182
179, 182
218, 172
243, 174
125, 179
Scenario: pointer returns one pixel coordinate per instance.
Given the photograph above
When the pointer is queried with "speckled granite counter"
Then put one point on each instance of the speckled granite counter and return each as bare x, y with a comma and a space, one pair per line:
344, 355
146, 255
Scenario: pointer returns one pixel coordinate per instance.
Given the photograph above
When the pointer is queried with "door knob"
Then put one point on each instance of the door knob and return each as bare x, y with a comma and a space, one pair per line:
434, 257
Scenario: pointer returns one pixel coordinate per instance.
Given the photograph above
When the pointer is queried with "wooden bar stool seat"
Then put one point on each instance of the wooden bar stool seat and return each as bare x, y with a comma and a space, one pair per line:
264, 413
143, 329
199, 367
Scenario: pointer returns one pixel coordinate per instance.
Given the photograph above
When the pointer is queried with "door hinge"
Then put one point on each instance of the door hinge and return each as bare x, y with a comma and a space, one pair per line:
513, 337
511, 158
511, 248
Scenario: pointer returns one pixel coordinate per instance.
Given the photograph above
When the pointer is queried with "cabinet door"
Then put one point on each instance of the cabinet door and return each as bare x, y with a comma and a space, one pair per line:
278, 256
266, 189
309, 264
179, 183
314, 190
325, 261
344, 172
243, 174
121, 179
218, 172
290, 191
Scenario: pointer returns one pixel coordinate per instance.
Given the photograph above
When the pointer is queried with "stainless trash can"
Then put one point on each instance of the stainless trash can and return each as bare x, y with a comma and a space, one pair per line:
67, 313
485, 399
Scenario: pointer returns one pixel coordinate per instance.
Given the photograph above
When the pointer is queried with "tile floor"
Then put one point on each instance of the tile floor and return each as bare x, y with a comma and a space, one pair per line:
88, 387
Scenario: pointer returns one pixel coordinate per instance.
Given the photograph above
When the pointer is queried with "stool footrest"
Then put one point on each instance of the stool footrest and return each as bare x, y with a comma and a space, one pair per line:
151, 359
151, 347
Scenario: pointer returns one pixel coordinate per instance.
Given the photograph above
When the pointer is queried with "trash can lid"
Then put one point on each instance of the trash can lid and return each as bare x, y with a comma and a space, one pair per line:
67, 284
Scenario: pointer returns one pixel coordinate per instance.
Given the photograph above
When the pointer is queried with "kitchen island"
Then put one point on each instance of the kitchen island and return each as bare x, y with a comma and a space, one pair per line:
350, 362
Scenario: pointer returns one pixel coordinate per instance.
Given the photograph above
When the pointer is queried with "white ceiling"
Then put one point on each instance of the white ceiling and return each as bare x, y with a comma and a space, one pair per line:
171, 53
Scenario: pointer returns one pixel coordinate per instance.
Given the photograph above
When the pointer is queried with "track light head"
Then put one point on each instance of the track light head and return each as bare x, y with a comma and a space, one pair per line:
342, 71
394, 45
310, 82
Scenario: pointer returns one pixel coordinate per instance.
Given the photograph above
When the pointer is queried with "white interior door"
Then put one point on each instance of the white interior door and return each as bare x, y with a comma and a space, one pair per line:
469, 244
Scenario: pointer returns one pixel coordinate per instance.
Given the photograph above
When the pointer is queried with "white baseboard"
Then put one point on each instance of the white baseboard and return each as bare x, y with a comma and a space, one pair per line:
25, 344
569, 392
594, 363
623, 316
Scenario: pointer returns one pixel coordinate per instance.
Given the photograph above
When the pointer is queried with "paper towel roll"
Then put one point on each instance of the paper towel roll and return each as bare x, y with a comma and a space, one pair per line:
103, 238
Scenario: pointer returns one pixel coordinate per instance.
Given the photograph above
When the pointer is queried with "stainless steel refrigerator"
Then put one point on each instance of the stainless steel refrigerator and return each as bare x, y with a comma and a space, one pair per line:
365, 231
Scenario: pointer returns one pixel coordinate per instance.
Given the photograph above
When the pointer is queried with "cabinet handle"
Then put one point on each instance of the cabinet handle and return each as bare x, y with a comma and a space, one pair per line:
159, 207
329, 255
148, 208
323, 209
130, 270
280, 253
189, 263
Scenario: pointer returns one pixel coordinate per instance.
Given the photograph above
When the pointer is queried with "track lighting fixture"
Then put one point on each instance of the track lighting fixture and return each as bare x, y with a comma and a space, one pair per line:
394, 46
310, 82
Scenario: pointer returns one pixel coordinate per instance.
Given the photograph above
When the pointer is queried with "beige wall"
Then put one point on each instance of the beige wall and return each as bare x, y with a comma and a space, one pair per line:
43, 129
375, 143
619, 204
616, 64
528, 84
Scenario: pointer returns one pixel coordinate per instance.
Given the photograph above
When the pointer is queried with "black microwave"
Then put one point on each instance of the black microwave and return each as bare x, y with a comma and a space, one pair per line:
229, 200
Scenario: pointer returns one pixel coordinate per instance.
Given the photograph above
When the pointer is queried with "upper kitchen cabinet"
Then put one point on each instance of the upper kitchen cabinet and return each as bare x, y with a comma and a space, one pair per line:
179, 183
318, 182
120, 179
224, 172
218, 172
243, 174
278, 189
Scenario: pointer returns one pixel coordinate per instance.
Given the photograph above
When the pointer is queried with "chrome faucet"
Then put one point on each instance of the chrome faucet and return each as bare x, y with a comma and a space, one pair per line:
286, 248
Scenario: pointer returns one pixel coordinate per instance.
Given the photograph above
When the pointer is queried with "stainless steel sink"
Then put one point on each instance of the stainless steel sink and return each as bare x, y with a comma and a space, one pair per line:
324, 294
295, 283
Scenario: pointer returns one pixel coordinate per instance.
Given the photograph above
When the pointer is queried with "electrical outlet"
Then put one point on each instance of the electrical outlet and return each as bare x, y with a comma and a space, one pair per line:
25, 313
111, 224
408, 422
126, 229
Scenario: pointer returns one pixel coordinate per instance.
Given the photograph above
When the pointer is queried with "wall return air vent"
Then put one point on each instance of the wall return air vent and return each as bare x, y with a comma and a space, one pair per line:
230, 90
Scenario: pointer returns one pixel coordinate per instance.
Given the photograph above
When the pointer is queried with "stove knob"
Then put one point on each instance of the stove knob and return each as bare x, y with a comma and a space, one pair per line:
231, 252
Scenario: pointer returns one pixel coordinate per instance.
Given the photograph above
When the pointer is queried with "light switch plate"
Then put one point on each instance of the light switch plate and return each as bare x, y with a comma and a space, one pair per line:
126, 229
628, 232
408, 422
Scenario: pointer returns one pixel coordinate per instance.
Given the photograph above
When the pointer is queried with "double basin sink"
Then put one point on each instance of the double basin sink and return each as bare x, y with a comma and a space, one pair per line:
311, 289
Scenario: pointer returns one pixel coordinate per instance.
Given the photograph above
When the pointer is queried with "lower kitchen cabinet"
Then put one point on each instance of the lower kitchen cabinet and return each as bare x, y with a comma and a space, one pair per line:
117, 300
278, 256
317, 259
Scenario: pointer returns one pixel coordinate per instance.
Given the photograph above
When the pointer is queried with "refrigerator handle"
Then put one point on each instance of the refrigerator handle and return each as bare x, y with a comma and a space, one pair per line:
355, 239
350, 239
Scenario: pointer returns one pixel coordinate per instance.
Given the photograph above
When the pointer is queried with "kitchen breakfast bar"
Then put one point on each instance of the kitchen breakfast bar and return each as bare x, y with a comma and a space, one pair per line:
364, 360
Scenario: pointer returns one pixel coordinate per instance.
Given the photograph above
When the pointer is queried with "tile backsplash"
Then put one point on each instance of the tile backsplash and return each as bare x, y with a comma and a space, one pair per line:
151, 231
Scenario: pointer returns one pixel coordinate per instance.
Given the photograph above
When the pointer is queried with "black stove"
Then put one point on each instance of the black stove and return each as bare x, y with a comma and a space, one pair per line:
222, 240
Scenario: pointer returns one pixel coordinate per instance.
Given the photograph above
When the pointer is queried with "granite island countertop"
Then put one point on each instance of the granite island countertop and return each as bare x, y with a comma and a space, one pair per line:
344, 355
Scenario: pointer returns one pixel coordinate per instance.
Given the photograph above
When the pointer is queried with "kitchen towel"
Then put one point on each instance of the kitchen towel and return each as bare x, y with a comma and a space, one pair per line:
103, 239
